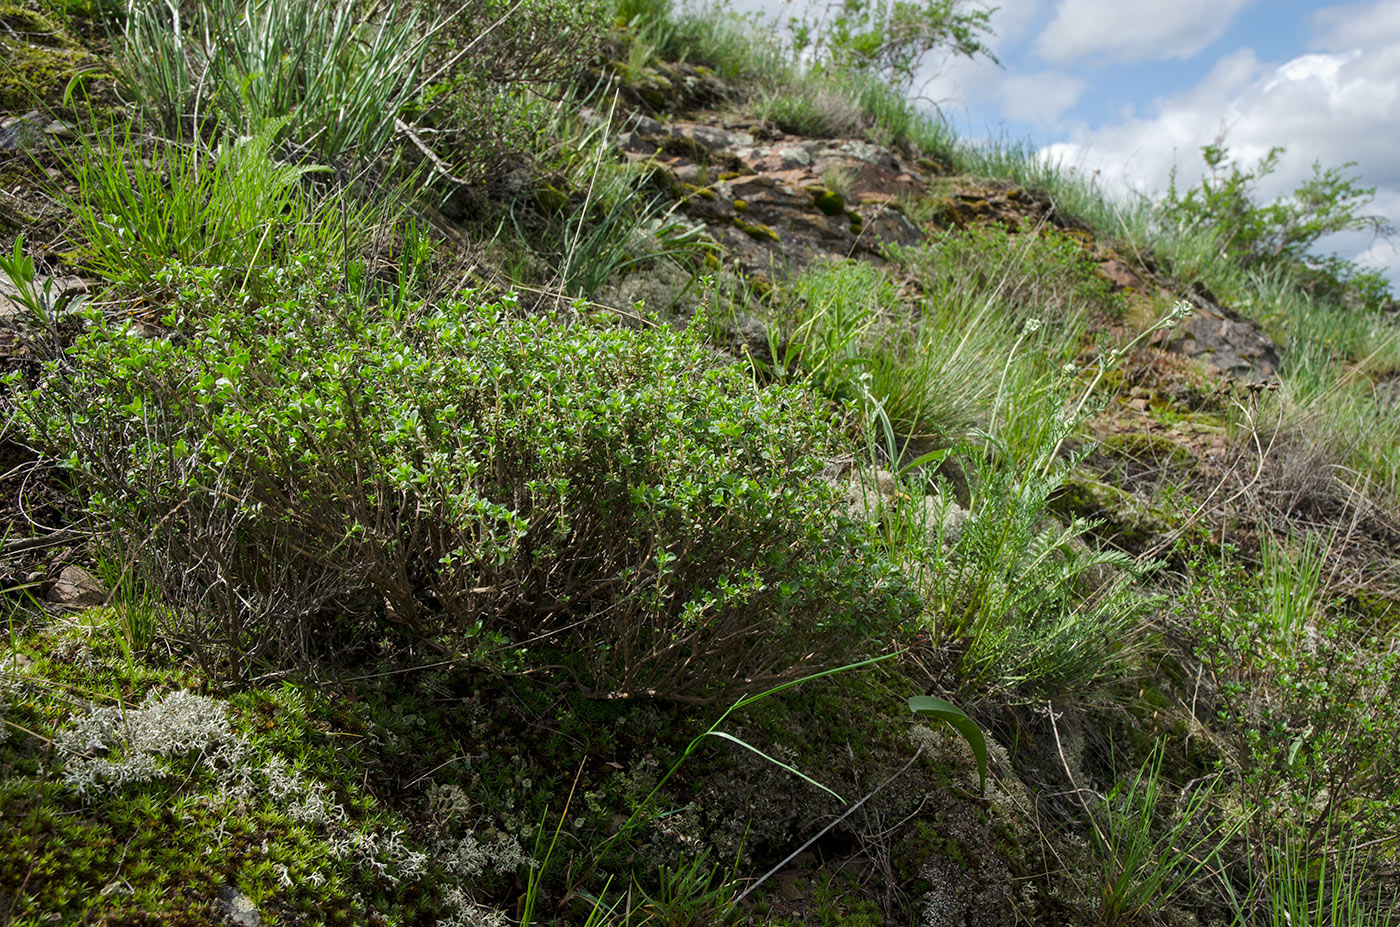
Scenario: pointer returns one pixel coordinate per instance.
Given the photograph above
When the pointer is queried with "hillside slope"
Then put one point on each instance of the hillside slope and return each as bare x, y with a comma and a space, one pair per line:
643, 479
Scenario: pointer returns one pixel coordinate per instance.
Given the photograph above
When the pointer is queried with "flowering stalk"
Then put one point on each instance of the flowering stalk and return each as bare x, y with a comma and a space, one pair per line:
1182, 309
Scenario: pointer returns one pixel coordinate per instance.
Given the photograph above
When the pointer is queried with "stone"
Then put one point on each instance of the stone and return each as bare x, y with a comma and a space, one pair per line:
1226, 346
1120, 275
76, 588
237, 908
53, 287
23, 133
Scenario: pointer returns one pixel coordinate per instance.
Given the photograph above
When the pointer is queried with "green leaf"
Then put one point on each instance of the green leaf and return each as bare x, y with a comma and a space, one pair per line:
955, 716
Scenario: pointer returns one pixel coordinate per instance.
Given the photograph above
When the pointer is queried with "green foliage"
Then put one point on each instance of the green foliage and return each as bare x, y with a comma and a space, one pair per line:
1292, 584
1145, 864
309, 473
955, 717
690, 895
334, 78
491, 98
711, 35
891, 39
933, 369
1285, 231
612, 227
1294, 888
1309, 710
1035, 271
1031, 607
142, 210
816, 110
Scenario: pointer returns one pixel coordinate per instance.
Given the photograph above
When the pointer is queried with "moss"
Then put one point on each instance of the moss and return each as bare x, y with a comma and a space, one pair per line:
828, 201
741, 206
31, 28
34, 77
1131, 523
757, 230
551, 199
1383, 609
1147, 446
39, 60
695, 190
974, 205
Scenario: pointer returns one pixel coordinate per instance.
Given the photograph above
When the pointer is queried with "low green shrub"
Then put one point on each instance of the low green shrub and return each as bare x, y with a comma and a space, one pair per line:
491, 95
317, 473
1311, 699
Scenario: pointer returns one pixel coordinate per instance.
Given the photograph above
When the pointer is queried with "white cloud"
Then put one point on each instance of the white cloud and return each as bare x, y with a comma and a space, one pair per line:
1038, 99
1127, 31
1358, 25
1336, 104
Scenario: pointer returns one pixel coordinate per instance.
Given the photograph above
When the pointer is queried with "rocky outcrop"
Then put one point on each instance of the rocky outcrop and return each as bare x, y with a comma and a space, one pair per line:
778, 203
1224, 342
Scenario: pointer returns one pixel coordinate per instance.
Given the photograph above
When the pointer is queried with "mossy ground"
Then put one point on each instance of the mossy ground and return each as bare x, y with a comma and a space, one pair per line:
38, 60
385, 748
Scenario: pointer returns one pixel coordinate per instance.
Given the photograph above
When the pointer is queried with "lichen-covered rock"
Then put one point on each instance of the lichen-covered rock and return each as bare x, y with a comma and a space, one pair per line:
75, 587
1225, 343
768, 199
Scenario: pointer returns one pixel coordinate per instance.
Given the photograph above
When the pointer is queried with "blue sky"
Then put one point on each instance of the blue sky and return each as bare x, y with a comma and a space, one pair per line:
1130, 88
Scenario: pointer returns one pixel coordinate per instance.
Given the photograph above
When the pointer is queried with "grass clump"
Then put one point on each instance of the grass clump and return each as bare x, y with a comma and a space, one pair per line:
336, 79
1034, 271
1145, 863
141, 210
1029, 605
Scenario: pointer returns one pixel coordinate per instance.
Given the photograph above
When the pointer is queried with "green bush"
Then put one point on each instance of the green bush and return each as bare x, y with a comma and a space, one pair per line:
1311, 701
1285, 232
891, 39
318, 473
493, 89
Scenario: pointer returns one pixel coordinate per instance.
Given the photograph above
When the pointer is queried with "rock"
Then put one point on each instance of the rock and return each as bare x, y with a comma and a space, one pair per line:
1120, 275
53, 287
1228, 346
1387, 393
23, 133
944, 519
885, 226
237, 908
76, 588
